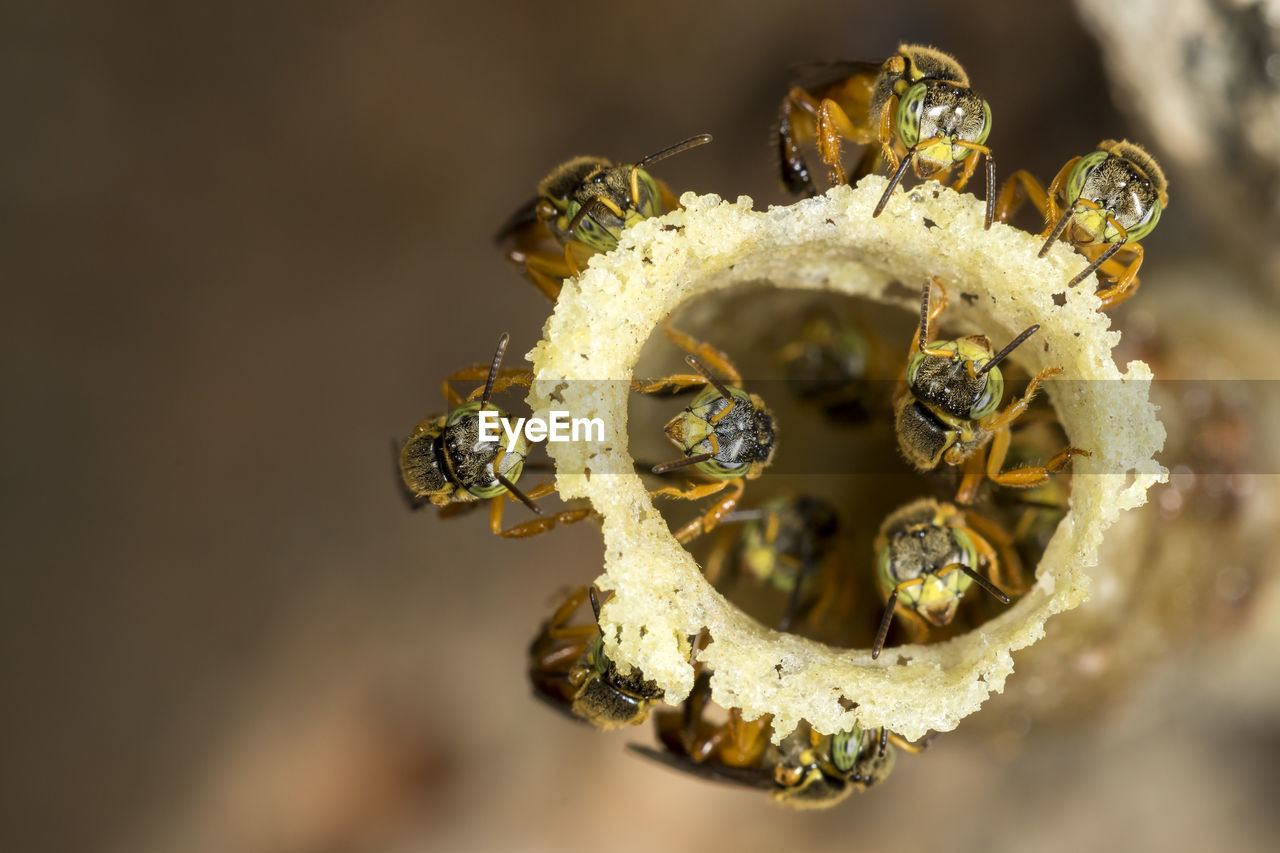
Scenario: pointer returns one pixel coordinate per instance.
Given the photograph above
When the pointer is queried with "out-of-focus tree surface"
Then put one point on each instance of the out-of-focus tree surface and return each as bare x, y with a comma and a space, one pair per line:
242, 243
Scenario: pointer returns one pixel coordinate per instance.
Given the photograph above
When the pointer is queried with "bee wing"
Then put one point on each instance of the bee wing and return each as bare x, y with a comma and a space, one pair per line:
525, 214
742, 777
818, 75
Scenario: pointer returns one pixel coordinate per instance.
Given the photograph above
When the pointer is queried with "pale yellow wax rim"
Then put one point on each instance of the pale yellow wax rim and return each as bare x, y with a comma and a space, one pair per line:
594, 337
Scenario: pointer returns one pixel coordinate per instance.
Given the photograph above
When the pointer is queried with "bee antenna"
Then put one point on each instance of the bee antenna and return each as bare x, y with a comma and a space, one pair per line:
1097, 262
924, 313
682, 463
1058, 228
679, 147
520, 496
1012, 345
719, 386
493, 370
884, 740
738, 516
893, 182
884, 624
595, 601
990, 215
985, 584
595, 204
581, 215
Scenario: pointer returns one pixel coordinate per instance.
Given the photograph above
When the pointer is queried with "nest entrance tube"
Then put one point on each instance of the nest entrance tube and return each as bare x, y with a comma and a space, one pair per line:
832, 243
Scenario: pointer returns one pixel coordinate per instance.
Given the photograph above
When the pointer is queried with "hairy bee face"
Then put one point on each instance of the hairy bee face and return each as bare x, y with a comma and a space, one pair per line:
933, 110
742, 440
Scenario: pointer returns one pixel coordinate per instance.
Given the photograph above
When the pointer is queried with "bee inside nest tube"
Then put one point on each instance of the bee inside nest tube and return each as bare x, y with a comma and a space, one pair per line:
831, 243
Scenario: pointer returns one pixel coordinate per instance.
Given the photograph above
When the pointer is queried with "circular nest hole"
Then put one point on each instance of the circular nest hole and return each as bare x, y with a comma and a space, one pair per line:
999, 287
837, 460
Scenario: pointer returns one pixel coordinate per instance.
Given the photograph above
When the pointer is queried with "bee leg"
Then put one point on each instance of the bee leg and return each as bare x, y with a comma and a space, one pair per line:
991, 423
545, 523
1004, 568
693, 493
917, 629
735, 743
560, 660
452, 397
668, 384
545, 270
669, 200
549, 285
791, 132
743, 742
885, 134
512, 376
966, 170
1126, 285
1055, 221
974, 472
713, 566
705, 352
1107, 253
669, 727
912, 748
576, 256
1019, 188
833, 124
537, 525
694, 736
1031, 475
539, 491
970, 163
707, 522
556, 625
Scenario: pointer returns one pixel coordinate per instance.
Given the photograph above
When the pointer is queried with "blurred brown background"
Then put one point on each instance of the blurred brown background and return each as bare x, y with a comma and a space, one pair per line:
242, 244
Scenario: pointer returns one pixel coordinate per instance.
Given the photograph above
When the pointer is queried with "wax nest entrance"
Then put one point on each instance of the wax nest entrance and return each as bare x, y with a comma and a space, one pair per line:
833, 243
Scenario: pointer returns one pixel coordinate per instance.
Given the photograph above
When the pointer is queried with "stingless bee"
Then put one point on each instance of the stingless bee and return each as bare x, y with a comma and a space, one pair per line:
582, 207
570, 670
1111, 198
782, 543
807, 770
446, 462
927, 555
917, 105
946, 410
725, 434
827, 362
